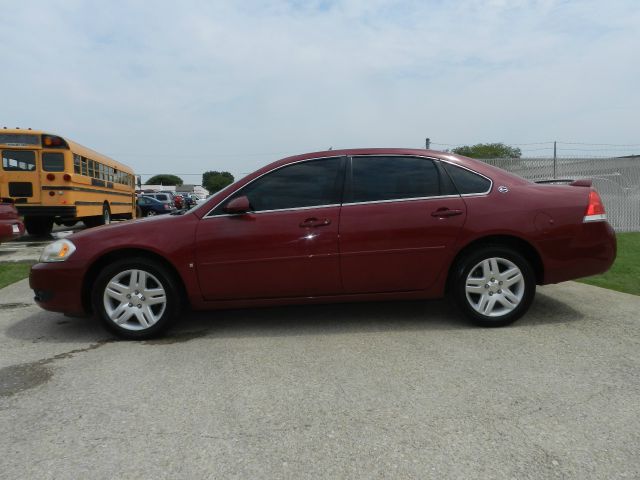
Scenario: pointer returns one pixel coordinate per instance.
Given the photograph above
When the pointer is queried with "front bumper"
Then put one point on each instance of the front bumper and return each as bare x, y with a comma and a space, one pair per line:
58, 287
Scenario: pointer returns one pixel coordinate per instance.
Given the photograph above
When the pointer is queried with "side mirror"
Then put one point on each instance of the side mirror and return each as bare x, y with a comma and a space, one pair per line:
238, 205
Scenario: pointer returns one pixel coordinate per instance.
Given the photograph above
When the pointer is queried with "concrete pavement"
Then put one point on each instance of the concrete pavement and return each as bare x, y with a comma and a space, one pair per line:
391, 390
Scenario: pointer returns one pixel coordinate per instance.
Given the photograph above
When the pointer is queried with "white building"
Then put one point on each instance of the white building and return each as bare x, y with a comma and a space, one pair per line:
198, 190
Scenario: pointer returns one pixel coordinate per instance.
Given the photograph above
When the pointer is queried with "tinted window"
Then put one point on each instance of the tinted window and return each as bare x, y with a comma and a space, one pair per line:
392, 178
18, 160
304, 184
162, 198
465, 181
53, 162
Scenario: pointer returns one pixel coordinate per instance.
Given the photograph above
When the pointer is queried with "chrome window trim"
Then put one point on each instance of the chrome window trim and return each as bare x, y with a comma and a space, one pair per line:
393, 200
209, 215
275, 210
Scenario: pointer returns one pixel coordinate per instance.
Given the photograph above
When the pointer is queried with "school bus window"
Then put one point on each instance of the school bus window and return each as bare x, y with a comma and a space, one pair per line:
84, 166
18, 160
76, 163
53, 162
91, 168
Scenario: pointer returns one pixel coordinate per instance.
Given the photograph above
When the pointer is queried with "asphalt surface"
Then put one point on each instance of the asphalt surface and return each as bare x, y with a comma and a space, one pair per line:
391, 390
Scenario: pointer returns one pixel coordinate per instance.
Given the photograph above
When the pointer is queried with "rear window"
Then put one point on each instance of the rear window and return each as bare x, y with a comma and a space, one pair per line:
467, 182
162, 197
53, 162
18, 160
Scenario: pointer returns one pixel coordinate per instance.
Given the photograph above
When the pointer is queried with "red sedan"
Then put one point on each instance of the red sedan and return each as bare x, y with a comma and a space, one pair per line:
10, 225
336, 226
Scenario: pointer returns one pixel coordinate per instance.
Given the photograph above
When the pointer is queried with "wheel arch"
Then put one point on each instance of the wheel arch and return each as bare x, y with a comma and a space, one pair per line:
522, 246
95, 268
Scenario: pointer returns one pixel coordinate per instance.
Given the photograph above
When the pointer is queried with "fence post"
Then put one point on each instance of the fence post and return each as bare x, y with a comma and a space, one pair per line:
555, 161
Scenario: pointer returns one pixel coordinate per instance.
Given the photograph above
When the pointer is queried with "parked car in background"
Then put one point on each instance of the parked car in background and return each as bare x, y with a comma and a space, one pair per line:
189, 200
336, 226
178, 201
164, 197
149, 207
10, 224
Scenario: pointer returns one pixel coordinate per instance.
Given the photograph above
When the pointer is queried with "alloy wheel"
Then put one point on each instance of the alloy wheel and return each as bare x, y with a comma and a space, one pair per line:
134, 299
495, 287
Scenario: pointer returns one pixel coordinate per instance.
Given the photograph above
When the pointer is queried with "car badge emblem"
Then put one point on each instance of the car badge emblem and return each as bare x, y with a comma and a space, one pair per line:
503, 189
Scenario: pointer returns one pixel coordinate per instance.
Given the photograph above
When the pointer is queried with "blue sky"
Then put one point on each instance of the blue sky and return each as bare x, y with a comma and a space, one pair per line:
198, 85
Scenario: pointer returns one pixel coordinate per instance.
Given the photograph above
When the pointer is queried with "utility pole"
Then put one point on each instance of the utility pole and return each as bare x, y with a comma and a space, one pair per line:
427, 143
555, 161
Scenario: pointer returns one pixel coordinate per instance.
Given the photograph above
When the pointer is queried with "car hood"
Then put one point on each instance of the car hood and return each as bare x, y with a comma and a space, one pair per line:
160, 234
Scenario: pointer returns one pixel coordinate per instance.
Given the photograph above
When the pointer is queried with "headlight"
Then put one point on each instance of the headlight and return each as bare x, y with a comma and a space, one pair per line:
58, 251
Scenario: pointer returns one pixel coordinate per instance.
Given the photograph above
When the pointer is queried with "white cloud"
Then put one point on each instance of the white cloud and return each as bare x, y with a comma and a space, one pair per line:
231, 85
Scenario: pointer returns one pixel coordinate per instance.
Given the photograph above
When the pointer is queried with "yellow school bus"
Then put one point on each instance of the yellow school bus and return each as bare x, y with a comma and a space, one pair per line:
52, 179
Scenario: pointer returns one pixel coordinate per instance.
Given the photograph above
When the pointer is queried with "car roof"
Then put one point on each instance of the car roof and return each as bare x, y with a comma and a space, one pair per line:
151, 198
470, 163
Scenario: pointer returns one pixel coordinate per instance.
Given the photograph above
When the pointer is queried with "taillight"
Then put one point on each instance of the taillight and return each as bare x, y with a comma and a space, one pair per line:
167, 207
51, 177
595, 210
67, 177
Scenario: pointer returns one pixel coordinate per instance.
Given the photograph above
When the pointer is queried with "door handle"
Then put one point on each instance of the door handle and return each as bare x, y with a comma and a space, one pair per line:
315, 222
444, 212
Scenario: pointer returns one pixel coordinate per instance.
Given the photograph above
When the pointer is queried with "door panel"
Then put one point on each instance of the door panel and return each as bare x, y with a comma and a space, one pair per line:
396, 246
20, 176
288, 253
401, 215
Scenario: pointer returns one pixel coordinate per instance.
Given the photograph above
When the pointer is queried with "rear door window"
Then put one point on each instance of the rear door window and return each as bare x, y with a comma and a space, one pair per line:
18, 160
383, 178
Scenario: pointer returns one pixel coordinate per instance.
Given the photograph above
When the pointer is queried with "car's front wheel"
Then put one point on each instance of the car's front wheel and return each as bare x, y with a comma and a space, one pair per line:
493, 285
136, 298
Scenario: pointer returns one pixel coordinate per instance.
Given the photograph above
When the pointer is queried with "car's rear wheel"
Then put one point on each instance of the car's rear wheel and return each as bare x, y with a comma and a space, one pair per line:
151, 213
493, 285
136, 298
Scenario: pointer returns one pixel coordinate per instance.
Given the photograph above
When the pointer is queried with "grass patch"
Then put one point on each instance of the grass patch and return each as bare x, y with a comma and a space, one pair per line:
13, 272
624, 275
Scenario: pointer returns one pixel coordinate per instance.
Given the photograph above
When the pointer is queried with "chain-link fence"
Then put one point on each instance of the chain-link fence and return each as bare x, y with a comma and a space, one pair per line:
616, 179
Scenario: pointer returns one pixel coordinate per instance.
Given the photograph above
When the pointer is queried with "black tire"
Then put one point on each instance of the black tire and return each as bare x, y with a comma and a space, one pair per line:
105, 219
99, 220
69, 224
133, 329
38, 226
470, 303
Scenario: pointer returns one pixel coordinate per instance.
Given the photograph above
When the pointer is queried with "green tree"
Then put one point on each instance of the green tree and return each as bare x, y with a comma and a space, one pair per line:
164, 179
214, 181
488, 150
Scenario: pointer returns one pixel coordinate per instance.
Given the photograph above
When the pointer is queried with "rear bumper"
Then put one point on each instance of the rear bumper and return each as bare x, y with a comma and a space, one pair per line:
8, 229
46, 211
58, 287
589, 251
